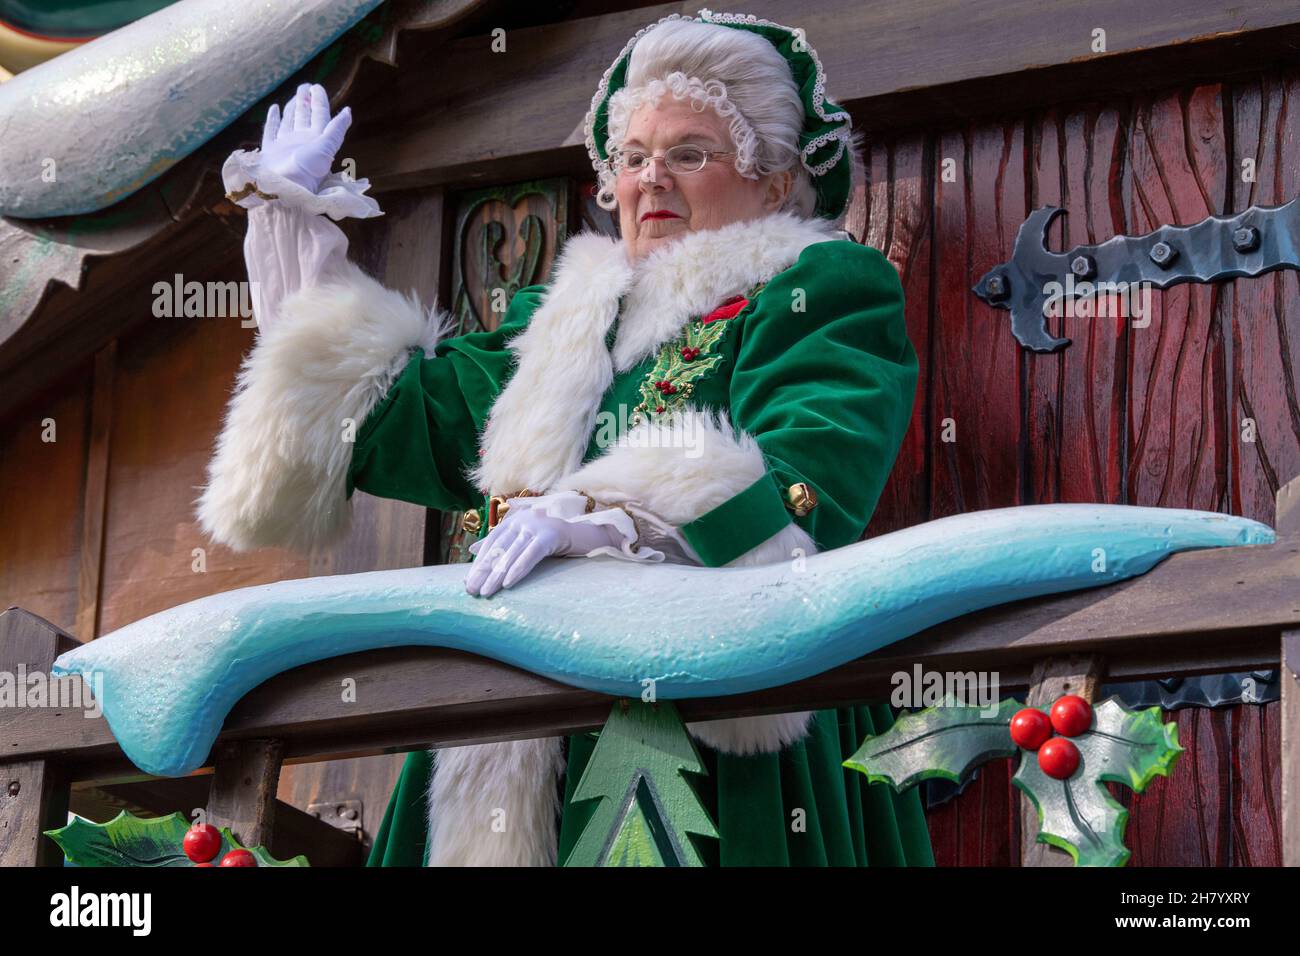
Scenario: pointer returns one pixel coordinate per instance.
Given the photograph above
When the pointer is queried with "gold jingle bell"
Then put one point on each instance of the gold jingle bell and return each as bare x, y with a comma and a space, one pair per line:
802, 498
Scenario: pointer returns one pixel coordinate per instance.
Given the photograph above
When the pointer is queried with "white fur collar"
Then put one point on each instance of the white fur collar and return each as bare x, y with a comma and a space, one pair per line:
541, 423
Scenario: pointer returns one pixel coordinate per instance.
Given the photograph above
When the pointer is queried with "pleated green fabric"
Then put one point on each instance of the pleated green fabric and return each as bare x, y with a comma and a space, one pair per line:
799, 807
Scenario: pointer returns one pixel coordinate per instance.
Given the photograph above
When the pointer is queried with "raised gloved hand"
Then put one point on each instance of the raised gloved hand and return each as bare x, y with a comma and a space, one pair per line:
521, 539
301, 146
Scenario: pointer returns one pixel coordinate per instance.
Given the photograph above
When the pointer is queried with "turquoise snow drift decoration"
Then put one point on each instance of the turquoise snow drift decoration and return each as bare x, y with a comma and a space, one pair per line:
96, 123
170, 679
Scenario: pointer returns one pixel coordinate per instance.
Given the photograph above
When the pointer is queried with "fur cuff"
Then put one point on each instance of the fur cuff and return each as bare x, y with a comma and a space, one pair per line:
680, 469
496, 804
278, 477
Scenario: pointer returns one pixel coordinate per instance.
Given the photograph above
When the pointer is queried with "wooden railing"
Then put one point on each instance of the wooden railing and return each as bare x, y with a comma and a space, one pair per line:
1198, 612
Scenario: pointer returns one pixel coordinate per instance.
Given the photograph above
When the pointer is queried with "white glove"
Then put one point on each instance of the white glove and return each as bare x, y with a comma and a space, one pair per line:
522, 538
301, 148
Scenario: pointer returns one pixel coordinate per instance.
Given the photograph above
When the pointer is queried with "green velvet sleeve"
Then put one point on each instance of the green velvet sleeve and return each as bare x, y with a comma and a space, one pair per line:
418, 443
827, 393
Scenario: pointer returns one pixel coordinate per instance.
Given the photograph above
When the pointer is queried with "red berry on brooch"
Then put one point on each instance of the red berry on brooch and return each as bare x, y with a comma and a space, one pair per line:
202, 843
1071, 715
239, 858
1030, 728
659, 409
1059, 758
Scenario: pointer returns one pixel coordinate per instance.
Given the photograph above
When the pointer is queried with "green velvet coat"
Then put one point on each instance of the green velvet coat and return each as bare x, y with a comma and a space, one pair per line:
817, 367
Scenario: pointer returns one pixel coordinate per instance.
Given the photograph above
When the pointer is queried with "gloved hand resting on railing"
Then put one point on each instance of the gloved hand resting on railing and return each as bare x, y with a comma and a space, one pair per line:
522, 539
564, 523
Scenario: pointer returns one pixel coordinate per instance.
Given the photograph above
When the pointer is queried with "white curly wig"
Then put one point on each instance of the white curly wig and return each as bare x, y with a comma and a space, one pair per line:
744, 79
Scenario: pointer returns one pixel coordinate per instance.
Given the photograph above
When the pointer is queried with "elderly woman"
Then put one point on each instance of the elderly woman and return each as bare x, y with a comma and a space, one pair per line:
726, 385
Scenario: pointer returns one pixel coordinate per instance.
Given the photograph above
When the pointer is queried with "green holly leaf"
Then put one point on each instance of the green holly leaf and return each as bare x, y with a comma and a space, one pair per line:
1079, 815
942, 742
128, 840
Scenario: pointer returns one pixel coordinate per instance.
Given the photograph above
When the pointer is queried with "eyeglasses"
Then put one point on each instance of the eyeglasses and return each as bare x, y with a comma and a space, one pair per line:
684, 158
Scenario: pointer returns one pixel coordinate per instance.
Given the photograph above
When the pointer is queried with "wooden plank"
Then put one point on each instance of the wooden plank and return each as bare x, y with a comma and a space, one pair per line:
33, 793
1053, 678
1290, 719
243, 789
974, 417
1255, 810
1264, 312
893, 213
95, 493
469, 117
1074, 416
1185, 819
40, 509
1179, 432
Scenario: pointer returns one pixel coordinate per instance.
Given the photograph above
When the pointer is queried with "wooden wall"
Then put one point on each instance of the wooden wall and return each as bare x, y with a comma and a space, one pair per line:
1199, 410
97, 529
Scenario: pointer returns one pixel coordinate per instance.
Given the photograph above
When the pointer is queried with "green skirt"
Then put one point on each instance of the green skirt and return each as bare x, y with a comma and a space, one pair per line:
754, 800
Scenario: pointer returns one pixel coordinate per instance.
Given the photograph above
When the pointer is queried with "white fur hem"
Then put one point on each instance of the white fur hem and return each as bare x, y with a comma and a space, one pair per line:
750, 735
496, 804
278, 477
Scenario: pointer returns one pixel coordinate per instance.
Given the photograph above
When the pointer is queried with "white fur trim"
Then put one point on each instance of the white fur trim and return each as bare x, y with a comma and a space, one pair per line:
278, 477
496, 804
541, 422
678, 470
693, 275
540, 425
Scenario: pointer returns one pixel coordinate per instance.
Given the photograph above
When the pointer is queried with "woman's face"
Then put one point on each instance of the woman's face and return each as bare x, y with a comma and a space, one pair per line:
709, 198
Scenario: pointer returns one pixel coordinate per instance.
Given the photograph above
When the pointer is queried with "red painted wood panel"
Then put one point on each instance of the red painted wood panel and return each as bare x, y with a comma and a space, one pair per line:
894, 216
1265, 321
975, 366
1198, 409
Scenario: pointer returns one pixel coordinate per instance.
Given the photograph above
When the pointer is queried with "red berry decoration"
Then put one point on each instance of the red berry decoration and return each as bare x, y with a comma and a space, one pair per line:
202, 843
1030, 728
1059, 758
1071, 715
239, 858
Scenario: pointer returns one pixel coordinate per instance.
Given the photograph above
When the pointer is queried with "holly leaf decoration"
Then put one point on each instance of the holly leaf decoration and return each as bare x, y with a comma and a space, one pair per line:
128, 840
944, 742
1078, 815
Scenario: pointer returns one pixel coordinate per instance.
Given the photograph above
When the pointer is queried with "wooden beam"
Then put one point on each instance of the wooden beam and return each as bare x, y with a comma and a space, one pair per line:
243, 789
33, 793
1287, 524
470, 116
1052, 679
95, 497
1291, 748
